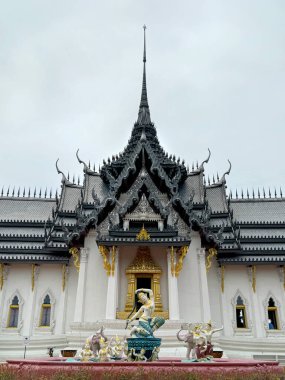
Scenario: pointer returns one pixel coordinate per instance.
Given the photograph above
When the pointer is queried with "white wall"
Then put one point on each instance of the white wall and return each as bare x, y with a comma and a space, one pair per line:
48, 279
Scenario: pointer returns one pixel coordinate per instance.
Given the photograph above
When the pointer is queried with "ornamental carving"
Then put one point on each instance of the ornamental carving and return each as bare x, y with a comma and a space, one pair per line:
143, 211
143, 263
76, 257
143, 234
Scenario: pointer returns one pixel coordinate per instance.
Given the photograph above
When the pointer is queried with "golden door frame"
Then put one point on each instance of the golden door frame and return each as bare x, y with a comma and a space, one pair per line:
143, 266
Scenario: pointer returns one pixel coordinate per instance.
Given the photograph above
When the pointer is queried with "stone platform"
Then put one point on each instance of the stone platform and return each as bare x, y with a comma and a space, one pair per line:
175, 366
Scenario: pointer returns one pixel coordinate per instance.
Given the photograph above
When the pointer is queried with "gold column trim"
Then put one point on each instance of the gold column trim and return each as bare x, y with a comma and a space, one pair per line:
33, 276
172, 261
1, 275
109, 262
179, 265
130, 292
212, 252
253, 277
63, 279
114, 253
222, 278
143, 234
76, 257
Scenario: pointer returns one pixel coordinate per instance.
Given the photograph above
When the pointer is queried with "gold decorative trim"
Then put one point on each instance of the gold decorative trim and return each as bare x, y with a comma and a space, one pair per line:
76, 257
182, 254
104, 251
253, 274
222, 278
33, 276
172, 261
114, 253
143, 234
1, 275
212, 252
63, 280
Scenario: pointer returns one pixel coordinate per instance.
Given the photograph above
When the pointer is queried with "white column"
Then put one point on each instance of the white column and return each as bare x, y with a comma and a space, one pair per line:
3, 293
225, 307
173, 299
204, 290
80, 294
30, 306
257, 311
61, 307
111, 304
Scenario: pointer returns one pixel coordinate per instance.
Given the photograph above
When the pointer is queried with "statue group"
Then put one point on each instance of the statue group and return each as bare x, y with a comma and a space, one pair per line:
198, 337
142, 345
99, 348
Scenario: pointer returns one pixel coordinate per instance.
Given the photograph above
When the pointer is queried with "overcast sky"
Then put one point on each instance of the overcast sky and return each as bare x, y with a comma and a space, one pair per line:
71, 72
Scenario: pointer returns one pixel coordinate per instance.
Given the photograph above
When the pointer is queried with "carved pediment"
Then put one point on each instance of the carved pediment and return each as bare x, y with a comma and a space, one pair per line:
143, 263
143, 212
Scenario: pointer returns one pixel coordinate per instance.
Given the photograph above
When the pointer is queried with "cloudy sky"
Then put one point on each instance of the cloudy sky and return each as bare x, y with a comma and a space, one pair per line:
71, 72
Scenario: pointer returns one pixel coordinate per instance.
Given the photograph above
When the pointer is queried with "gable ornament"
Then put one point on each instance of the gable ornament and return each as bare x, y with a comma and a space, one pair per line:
143, 234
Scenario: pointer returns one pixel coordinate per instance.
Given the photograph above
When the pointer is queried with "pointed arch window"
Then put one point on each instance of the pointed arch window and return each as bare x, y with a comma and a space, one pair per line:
272, 314
241, 320
14, 313
45, 312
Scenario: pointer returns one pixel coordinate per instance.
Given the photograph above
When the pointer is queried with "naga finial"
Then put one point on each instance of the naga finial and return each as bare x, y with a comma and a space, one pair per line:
64, 179
223, 179
86, 168
201, 167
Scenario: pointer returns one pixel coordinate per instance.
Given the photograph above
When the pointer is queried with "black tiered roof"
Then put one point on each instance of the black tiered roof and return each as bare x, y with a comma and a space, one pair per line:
42, 229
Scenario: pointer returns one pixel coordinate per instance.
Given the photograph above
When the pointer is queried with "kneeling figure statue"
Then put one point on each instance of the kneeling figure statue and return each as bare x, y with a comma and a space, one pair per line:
142, 335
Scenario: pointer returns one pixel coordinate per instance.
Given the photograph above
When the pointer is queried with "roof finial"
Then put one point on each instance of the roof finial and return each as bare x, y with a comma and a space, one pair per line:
144, 52
144, 115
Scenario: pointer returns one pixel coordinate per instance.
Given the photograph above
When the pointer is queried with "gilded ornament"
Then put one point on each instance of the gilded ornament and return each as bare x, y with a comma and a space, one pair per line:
212, 252
114, 253
172, 261
179, 265
1, 275
143, 234
143, 263
76, 257
105, 254
63, 277
33, 276
222, 278
143, 266
253, 277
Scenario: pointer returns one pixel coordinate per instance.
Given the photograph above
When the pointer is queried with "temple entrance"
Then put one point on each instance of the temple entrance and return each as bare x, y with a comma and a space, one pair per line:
144, 282
143, 273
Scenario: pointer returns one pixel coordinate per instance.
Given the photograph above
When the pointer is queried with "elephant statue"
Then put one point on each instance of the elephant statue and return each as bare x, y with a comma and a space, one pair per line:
187, 338
94, 341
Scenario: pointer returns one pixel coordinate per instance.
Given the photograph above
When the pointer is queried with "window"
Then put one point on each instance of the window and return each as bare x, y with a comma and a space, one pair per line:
272, 315
45, 313
13, 313
241, 322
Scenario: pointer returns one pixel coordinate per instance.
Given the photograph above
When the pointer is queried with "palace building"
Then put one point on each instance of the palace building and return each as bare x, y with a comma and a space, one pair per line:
71, 263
